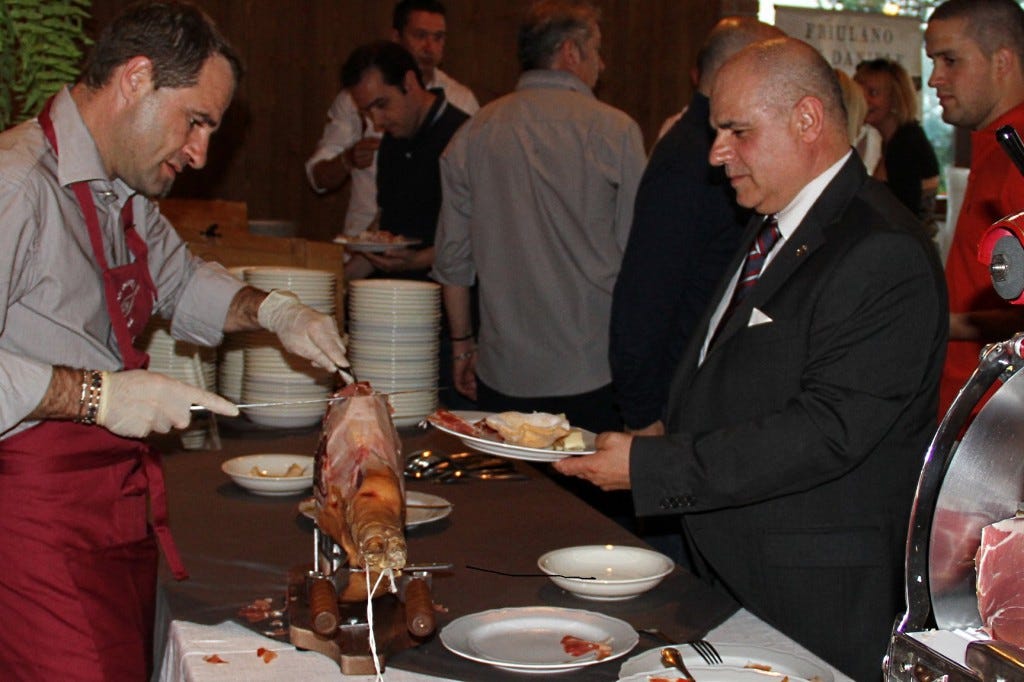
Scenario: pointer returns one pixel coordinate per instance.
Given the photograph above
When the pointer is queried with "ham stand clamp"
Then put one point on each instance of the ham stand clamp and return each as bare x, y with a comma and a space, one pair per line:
327, 607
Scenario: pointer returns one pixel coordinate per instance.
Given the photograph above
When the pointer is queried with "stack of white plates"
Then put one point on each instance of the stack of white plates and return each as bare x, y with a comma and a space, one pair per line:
315, 288
186, 362
232, 365
231, 360
393, 342
272, 374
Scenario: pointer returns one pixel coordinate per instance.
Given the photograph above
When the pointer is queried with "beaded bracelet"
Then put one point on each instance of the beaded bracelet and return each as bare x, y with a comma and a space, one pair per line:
92, 389
464, 356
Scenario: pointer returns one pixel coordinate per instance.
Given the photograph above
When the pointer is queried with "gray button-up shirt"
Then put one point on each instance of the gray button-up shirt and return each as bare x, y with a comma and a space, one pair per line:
538, 201
52, 306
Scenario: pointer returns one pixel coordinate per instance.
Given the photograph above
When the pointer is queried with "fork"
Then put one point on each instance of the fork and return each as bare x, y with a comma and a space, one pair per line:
706, 650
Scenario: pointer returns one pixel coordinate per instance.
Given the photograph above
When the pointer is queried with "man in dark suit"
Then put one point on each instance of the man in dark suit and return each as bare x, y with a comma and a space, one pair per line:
799, 415
686, 226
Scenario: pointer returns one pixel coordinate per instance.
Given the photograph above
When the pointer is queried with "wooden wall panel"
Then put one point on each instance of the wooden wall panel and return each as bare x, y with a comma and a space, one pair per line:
293, 52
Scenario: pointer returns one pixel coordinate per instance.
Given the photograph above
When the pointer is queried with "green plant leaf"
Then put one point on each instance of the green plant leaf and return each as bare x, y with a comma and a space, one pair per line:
41, 45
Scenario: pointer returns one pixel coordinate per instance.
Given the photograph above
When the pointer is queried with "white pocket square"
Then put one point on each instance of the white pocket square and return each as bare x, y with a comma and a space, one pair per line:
757, 317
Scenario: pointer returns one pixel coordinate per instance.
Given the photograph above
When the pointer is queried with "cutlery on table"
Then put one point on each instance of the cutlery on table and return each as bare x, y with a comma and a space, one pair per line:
671, 657
441, 468
495, 474
706, 650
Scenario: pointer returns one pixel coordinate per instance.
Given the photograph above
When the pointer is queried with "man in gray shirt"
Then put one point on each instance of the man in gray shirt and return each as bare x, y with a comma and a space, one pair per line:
538, 201
85, 259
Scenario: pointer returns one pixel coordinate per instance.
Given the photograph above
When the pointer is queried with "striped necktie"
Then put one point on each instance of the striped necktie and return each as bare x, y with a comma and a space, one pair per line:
756, 257
752, 267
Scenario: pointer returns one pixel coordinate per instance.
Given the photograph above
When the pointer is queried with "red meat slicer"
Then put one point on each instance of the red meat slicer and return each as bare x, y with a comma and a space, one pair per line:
965, 485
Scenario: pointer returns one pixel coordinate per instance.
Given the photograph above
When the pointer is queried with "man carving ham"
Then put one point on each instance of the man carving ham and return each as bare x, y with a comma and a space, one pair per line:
85, 259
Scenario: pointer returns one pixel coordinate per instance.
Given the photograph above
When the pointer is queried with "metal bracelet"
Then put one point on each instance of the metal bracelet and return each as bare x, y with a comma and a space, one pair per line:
92, 389
464, 356
84, 395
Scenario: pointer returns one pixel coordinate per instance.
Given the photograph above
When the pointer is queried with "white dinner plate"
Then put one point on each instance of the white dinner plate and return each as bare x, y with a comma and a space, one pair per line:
734, 659
414, 516
529, 639
411, 286
493, 447
353, 244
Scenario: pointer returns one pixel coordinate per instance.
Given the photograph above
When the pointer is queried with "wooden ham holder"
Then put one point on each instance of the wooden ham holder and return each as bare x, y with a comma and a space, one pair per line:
327, 611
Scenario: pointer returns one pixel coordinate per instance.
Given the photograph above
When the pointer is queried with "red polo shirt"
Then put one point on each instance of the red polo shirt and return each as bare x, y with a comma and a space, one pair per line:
995, 189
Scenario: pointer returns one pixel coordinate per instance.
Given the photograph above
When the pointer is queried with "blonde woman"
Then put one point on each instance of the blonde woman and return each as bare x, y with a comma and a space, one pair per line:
864, 137
909, 166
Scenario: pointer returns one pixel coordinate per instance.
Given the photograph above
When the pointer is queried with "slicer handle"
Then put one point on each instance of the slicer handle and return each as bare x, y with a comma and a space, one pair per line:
419, 608
1010, 141
323, 607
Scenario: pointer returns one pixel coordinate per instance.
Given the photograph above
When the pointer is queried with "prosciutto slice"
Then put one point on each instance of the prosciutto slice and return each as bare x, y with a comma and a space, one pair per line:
1000, 564
359, 487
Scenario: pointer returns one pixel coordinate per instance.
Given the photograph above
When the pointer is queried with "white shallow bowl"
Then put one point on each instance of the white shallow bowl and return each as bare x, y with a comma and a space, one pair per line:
619, 572
240, 471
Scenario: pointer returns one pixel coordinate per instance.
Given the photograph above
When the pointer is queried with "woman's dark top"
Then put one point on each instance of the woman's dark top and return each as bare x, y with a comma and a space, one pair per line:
909, 159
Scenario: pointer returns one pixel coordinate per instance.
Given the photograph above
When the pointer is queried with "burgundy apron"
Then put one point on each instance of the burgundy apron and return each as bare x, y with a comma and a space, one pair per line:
78, 555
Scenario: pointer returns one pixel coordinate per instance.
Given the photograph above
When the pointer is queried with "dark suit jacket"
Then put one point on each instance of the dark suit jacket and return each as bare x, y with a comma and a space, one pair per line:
794, 448
686, 227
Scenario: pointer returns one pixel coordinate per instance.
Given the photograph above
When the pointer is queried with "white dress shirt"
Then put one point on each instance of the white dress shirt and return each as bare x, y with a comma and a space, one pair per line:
789, 219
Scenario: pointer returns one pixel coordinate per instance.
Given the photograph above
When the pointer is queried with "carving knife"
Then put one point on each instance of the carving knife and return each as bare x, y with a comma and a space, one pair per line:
308, 401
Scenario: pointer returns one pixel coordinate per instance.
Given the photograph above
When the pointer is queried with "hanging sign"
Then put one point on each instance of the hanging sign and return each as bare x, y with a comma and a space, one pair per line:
848, 38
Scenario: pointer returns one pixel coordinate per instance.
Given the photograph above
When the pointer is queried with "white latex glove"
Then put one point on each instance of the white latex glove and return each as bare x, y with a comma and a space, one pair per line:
135, 403
302, 330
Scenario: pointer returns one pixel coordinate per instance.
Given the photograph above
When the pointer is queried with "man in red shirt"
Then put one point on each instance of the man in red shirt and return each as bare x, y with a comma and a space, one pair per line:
977, 48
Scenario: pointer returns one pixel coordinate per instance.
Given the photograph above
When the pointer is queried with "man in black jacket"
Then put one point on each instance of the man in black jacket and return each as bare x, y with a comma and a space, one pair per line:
686, 227
801, 411
417, 123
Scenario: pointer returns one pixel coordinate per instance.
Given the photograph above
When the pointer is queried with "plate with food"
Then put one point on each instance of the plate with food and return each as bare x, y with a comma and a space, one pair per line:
271, 474
530, 436
420, 508
375, 241
739, 662
539, 639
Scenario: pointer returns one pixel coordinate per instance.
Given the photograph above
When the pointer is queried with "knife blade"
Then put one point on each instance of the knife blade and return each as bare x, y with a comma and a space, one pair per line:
308, 401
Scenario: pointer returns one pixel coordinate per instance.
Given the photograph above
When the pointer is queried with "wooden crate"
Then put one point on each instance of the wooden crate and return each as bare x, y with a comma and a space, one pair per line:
218, 231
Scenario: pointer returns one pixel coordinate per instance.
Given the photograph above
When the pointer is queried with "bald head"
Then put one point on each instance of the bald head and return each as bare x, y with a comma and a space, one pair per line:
729, 36
778, 111
786, 70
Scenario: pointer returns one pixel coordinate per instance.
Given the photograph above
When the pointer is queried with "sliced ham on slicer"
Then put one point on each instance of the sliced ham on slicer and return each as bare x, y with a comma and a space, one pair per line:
1000, 565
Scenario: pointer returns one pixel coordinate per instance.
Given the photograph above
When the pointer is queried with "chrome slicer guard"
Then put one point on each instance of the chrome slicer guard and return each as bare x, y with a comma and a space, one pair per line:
965, 486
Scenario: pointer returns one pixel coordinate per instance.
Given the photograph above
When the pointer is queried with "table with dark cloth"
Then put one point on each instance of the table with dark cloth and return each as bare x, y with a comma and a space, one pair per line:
239, 547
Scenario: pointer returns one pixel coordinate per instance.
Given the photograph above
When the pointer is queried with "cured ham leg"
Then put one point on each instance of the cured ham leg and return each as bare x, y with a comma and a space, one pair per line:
1000, 563
359, 487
